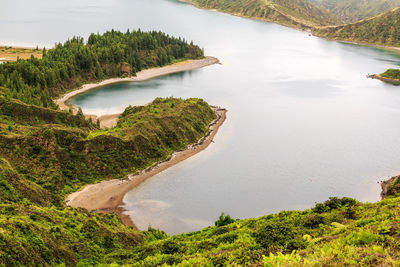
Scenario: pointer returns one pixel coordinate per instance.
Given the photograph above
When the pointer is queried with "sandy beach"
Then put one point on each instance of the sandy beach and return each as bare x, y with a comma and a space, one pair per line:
109, 120
107, 196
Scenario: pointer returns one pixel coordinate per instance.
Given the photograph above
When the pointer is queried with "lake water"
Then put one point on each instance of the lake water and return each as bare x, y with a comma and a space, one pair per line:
303, 121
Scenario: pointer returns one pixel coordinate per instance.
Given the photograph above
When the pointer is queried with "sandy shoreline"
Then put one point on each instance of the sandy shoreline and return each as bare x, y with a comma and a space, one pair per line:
109, 120
107, 196
391, 48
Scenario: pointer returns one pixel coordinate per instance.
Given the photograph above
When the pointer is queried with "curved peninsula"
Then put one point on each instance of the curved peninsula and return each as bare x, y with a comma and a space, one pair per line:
110, 120
107, 196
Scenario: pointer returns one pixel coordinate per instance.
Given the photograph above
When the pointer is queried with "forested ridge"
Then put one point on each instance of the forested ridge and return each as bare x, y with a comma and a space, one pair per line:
293, 13
67, 66
382, 29
315, 15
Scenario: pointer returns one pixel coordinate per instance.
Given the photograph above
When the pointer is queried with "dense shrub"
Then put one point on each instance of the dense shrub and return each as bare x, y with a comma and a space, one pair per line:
224, 220
278, 235
334, 203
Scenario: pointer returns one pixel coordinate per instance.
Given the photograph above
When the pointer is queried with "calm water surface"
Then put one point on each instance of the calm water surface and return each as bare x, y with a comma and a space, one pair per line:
303, 124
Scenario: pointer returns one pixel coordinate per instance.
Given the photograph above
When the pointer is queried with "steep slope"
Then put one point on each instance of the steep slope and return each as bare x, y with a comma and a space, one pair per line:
382, 29
293, 13
354, 10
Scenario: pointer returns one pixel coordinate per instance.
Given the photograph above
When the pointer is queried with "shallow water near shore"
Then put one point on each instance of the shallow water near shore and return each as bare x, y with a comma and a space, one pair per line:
303, 123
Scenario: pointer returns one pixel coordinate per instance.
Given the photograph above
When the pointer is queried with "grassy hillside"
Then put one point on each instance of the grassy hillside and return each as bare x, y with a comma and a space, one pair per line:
382, 29
32, 235
293, 13
354, 10
339, 232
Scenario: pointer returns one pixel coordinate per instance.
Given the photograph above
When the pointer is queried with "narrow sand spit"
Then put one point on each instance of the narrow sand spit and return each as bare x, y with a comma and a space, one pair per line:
384, 79
107, 196
108, 121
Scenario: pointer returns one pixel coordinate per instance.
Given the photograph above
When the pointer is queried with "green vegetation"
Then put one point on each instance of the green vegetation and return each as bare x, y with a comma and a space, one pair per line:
112, 54
354, 10
32, 235
392, 74
293, 13
338, 232
224, 220
382, 29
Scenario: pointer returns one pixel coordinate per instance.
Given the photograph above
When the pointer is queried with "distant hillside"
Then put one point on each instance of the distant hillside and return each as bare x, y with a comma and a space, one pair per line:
293, 13
382, 29
354, 10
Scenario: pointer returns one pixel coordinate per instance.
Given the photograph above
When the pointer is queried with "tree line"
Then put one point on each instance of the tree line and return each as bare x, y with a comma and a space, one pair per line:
112, 54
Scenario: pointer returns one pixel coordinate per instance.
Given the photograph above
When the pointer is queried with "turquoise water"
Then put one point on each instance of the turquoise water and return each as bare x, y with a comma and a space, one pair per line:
303, 121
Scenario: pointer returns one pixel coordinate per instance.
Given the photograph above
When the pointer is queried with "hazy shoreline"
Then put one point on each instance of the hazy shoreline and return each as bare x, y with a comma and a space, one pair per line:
109, 120
107, 196
394, 49
306, 29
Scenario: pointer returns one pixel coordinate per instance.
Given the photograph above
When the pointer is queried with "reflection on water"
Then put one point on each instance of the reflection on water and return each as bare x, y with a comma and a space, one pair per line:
303, 122
116, 97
